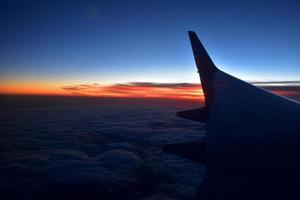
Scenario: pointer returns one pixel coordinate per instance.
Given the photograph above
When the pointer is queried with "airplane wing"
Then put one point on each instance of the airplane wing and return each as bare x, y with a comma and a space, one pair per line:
253, 136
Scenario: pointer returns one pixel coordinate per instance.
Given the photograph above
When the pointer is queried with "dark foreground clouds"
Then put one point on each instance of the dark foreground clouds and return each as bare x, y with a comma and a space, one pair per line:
90, 148
99, 148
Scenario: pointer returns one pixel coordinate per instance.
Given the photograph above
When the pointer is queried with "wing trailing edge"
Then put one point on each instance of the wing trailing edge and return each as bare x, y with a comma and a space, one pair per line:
194, 150
199, 114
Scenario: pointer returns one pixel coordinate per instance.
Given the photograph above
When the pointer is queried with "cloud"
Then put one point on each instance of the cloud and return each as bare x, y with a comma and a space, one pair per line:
285, 88
164, 85
171, 90
108, 147
288, 89
102, 149
279, 83
139, 89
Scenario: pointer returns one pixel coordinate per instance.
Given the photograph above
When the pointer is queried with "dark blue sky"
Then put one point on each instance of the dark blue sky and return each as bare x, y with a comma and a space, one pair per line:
121, 41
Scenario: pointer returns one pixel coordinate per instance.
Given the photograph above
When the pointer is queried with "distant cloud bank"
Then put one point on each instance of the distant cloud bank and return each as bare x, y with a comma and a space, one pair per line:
285, 88
171, 90
139, 89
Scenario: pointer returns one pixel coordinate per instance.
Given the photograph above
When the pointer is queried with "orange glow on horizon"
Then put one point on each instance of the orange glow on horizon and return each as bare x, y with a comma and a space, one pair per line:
31, 89
130, 90
139, 90
286, 93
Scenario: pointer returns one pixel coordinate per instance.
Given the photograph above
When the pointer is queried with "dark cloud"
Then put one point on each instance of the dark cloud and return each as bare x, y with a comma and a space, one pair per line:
76, 147
98, 147
72, 88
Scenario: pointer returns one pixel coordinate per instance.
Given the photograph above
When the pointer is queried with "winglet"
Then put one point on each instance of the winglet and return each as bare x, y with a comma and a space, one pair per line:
206, 67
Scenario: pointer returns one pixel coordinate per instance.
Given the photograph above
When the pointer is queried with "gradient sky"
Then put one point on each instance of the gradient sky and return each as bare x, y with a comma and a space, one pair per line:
48, 46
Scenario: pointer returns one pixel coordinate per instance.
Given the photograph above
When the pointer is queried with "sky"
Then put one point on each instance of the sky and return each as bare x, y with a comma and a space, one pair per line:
60, 47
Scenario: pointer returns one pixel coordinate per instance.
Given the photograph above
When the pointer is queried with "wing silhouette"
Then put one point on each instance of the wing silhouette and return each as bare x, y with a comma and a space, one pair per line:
253, 136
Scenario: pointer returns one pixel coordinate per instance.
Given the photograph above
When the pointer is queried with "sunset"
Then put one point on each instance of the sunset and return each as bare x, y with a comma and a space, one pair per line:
149, 100
47, 46
132, 90
183, 91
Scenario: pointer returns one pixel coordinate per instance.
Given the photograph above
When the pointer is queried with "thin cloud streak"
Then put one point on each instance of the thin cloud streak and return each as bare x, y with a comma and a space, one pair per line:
139, 90
276, 83
170, 90
289, 89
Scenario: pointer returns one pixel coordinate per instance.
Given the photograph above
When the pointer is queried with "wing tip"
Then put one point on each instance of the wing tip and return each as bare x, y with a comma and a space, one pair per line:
206, 67
191, 32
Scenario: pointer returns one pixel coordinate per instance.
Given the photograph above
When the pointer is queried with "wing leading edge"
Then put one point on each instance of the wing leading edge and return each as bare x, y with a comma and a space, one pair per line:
206, 67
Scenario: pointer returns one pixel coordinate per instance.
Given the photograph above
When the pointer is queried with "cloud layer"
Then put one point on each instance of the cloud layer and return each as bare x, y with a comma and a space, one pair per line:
139, 89
73, 148
171, 90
